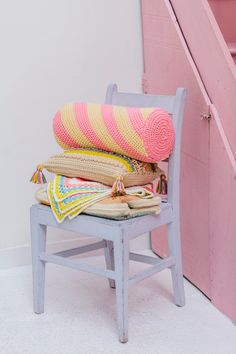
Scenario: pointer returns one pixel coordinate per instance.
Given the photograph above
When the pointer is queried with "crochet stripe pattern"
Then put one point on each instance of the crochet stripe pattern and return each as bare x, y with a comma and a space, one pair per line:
146, 134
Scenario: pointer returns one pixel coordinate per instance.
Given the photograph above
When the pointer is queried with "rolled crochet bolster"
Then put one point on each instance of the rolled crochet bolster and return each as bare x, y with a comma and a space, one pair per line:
146, 134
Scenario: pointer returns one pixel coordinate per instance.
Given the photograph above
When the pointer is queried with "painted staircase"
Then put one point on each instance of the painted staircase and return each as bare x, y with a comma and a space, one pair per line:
192, 44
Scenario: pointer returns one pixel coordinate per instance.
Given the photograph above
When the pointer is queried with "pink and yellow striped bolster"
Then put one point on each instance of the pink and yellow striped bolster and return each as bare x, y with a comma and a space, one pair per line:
146, 134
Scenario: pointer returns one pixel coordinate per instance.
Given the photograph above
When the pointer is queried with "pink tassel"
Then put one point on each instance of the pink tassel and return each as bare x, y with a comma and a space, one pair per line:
118, 187
162, 187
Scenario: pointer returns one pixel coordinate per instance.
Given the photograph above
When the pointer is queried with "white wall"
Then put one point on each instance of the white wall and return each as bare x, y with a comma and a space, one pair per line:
53, 52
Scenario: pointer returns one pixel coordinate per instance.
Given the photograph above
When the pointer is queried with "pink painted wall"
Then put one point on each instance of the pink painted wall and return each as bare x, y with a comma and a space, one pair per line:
213, 59
208, 184
225, 12
222, 223
167, 67
218, 72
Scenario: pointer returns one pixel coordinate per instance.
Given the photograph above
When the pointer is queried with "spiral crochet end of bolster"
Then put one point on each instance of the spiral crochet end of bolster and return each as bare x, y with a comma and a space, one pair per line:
38, 176
118, 187
162, 185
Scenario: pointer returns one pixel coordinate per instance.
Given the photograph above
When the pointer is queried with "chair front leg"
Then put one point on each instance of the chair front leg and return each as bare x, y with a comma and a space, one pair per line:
38, 245
109, 257
121, 253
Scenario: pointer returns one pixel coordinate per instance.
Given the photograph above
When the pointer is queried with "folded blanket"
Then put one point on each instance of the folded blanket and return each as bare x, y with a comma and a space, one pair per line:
146, 134
117, 208
69, 197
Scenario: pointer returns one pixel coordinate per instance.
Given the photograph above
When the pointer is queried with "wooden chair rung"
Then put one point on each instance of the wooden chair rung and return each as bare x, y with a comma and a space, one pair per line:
144, 259
78, 265
166, 263
80, 250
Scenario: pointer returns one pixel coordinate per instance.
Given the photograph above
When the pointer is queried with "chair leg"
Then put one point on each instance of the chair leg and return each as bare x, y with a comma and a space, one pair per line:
121, 253
176, 269
38, 245
109, 257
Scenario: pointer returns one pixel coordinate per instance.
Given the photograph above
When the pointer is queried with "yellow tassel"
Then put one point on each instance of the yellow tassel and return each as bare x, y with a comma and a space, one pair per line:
38, 176
118, 187
162, 185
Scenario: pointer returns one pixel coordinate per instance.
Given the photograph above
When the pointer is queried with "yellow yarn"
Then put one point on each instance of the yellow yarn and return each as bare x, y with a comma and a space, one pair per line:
94, 110
129, 134
72, 127
102, 154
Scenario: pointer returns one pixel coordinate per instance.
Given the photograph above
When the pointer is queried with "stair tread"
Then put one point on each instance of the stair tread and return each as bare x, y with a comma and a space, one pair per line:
232, 47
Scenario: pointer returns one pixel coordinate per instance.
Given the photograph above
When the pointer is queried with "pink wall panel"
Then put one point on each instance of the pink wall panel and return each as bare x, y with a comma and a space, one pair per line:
194, 225
166, 68
222, 226
214, 62
194, 220
225, 12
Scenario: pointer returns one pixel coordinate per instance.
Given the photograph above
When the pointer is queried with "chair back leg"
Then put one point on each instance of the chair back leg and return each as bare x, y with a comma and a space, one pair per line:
109, 258
38, 245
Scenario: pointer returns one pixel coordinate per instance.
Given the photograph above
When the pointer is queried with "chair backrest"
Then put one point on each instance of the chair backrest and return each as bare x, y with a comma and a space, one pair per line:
174, 105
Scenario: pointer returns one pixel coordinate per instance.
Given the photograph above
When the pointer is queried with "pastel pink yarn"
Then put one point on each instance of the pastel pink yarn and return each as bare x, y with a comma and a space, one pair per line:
158, 135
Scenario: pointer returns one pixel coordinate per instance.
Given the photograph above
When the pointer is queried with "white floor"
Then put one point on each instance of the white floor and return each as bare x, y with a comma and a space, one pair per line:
79, 317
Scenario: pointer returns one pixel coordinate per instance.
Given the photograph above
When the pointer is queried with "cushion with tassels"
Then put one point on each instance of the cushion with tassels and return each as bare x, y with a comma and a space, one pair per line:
100, 166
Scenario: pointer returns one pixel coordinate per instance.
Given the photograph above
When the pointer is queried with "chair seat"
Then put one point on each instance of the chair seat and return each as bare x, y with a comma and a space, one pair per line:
97, 226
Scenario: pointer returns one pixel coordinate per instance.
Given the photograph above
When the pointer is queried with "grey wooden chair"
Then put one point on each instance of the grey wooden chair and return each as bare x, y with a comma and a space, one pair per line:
117, 234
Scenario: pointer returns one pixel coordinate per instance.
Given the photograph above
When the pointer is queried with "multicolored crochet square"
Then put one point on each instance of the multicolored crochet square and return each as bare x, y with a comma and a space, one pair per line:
68, 197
